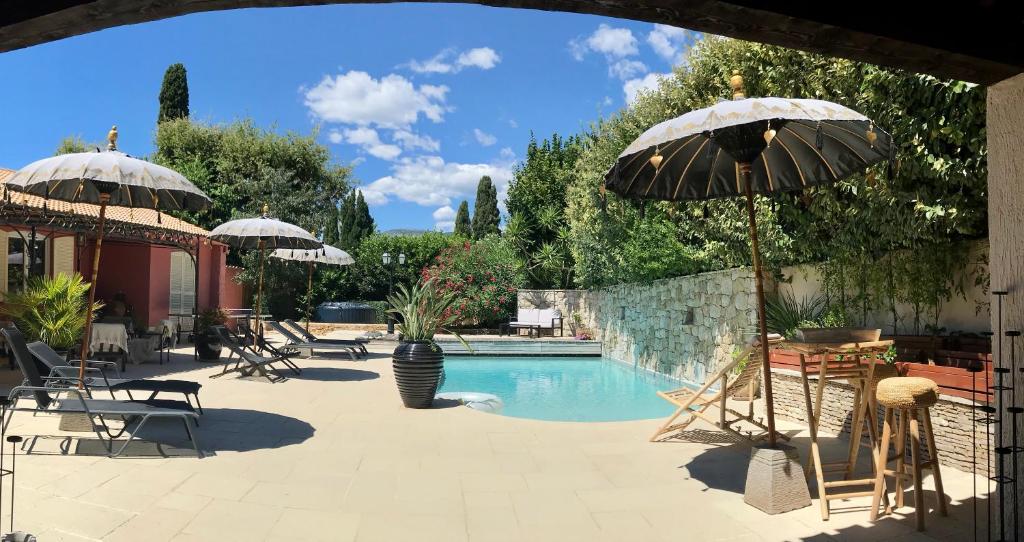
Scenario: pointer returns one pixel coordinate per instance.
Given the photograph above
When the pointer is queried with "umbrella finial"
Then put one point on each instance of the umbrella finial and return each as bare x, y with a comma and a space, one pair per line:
112, 139
871, 135
656, 158
736, 83
769, 135
266, 210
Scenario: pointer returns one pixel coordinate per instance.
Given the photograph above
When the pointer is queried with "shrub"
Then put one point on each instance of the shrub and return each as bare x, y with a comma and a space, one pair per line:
51, 309
484, 277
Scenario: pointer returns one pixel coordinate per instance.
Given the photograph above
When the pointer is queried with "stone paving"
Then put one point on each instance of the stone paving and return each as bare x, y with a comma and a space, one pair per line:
332, 455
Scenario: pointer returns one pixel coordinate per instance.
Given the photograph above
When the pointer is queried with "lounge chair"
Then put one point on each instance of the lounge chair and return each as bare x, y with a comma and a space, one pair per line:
293, 341
97, 377
249, 363
739, 385
50, 400
310, 338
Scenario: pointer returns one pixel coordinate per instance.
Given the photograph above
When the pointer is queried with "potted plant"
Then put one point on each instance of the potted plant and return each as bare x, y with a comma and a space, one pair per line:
207, 341
422, 311
51, 310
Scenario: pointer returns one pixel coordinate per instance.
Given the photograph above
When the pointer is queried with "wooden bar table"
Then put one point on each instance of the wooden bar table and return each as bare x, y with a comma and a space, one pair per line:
855, 363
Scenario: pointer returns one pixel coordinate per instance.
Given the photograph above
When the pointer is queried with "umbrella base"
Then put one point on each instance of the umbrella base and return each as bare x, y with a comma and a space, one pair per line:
775, 480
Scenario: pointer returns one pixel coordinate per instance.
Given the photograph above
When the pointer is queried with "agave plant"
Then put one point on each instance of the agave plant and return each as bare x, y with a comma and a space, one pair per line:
51, 309
784, 313
423, 310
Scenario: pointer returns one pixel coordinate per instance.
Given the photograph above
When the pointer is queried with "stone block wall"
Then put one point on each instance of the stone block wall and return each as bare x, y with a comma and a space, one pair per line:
951, 418
683, 327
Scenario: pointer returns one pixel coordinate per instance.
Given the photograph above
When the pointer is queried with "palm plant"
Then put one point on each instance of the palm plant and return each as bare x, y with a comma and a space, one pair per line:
423, 311
783, 313
51, 309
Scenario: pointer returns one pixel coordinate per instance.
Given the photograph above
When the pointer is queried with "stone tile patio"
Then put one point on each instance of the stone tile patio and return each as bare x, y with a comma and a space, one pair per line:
332, 455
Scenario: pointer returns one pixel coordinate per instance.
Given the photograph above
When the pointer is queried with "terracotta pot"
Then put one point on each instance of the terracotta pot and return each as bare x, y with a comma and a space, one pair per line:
418, 367
838, 334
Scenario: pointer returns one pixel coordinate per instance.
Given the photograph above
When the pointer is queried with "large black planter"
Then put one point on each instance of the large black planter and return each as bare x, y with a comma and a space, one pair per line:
208, 346
418, 367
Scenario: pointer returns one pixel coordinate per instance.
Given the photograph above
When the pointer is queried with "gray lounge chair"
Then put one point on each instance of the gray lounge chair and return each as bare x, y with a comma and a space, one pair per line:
310, 338
250, 363
293, 341
97, 378
50, 400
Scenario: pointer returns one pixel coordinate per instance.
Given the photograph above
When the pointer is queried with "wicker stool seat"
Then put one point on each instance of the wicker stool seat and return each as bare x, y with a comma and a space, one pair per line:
910, 397
907, 392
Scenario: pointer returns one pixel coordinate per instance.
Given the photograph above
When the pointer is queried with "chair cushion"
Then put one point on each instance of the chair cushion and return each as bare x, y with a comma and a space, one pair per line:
527, 316
169, 386
907, 392
544, 317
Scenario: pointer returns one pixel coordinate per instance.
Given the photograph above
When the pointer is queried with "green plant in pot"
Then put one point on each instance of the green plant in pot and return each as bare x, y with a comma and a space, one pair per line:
51, 310
423, 311
207, 341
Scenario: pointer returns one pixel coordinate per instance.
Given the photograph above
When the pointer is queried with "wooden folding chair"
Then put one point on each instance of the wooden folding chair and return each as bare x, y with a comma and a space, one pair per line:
693, 404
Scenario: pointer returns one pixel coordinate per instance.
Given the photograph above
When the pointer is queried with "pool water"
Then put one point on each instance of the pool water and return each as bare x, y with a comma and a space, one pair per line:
562, 388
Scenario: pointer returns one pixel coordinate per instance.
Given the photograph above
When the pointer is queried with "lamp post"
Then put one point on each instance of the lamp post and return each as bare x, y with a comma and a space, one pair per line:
389, 264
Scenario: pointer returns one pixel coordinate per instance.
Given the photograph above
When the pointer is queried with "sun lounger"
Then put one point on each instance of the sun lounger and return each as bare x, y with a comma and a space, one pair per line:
49, 400
293, 341
97, 378
249, 363
739, 385
310, 338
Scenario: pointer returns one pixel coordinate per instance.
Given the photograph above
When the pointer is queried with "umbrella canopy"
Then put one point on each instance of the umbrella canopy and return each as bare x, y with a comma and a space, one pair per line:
127, 181
264, 232
747, 146
789, 144
328, 254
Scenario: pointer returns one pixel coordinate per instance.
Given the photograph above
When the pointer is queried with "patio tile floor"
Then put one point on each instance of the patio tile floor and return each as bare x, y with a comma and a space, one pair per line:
332, 455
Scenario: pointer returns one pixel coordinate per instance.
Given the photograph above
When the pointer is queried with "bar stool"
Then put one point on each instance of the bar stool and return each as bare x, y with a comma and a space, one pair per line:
865, 408
908, 396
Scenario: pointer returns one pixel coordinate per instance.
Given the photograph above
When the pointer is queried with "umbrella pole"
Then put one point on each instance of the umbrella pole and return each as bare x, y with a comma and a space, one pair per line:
309, 296
87, 335
259, 294
762, 326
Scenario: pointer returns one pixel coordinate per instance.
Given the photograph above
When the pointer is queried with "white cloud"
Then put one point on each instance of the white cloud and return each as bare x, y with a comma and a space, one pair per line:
634, 86
484, 58
369, 140
430, 181
444, 218
607, 101
512, 123
411, 141
625, 68
611, 42
335, 137
392, 101
451, 61
670, 42
507, 154
484, 138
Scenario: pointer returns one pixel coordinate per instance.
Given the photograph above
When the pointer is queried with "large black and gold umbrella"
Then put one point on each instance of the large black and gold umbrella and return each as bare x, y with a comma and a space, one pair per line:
749, 146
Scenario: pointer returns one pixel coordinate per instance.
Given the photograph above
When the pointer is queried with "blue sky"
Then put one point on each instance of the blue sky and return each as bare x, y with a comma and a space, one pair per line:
421, 99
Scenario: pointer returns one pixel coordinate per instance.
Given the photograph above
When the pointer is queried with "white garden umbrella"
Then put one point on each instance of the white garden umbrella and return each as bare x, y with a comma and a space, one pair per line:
747, 146
263, 233
328, 254
106, 178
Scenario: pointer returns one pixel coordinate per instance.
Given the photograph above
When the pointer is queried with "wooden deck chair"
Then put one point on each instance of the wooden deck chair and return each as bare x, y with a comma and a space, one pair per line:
693, 404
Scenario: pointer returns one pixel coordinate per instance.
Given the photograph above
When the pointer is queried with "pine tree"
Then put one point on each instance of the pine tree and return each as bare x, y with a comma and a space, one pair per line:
485, 213
332, 226
462, 226
355, 223
174, 94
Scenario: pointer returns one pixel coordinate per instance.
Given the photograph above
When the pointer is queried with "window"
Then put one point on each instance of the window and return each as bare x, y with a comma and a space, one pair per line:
183, 283
23, 264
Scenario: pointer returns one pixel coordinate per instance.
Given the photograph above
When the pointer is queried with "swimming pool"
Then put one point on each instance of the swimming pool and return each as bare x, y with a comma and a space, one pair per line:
580, 389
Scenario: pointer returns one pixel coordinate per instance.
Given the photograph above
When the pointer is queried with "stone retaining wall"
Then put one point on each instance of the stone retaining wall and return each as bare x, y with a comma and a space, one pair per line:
951, 418
683, 327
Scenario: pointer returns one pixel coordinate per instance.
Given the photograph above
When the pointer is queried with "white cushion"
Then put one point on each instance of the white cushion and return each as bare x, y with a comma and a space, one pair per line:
545, 316
527, 316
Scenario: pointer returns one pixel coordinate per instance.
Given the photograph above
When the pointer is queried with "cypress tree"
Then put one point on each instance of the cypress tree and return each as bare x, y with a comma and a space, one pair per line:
485, 213
331, 228
174, 94
363, 218
462, 226
356, 223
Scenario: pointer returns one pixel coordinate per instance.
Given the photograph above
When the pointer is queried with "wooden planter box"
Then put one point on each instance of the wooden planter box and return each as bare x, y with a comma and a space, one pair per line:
948, 368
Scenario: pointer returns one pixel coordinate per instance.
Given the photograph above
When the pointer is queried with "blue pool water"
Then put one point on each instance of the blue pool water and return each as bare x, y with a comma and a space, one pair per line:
562, 389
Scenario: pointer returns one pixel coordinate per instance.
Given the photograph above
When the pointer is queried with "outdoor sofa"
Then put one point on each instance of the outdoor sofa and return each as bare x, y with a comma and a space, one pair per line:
534, 321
